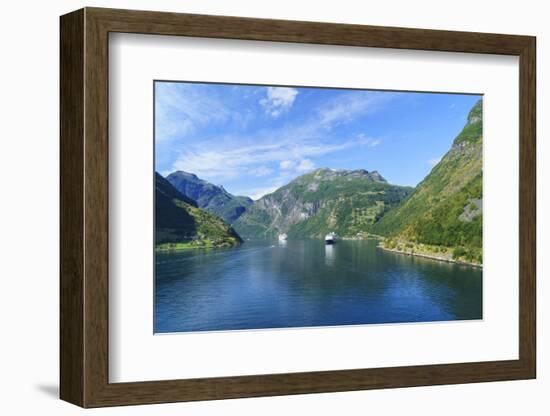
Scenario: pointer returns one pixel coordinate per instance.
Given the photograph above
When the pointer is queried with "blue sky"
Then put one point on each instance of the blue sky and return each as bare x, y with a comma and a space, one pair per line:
254, 139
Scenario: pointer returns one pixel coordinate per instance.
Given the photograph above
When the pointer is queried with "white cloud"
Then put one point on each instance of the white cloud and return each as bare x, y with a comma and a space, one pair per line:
288, 150
291, 155
257, 193
278, 100
434, 161
299, 165
351, 105
368, 141
287, 164
270, 185
305, 165
260, 171
231, 162
180, 109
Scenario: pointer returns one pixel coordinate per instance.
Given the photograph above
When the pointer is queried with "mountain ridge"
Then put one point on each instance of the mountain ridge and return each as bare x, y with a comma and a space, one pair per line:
445, 209
180, 223
213, 198
442, 214
339, 200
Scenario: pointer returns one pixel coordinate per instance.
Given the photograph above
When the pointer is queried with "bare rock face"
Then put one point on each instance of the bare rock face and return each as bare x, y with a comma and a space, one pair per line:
471, 210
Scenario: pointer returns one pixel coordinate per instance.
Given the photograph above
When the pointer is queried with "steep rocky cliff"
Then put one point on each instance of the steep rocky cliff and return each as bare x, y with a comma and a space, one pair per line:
326, 200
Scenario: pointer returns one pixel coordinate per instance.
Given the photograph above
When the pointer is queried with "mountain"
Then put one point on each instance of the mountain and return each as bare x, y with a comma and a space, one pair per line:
347, 202
445, 209
210, 197
179, 223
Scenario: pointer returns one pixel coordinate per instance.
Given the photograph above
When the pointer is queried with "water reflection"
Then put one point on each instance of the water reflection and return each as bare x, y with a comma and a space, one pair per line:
308, 283
329, 254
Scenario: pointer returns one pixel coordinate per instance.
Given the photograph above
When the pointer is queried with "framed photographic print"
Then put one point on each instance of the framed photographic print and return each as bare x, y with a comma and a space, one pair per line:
255, 207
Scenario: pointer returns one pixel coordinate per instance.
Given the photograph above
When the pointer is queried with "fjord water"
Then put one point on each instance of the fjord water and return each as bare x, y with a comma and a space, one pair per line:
305, 283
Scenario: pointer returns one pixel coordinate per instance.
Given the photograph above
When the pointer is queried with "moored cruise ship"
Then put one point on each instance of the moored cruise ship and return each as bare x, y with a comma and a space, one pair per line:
330, 238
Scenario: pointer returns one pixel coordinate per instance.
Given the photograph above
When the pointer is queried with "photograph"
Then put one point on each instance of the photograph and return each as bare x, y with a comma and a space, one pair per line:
289, 206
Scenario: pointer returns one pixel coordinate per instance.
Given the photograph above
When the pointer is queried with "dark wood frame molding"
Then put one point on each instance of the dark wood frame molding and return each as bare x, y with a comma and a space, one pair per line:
84, 207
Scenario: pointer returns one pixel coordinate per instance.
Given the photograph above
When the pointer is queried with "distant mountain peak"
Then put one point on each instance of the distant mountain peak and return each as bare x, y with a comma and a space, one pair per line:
330, 173
178, 220
212, 198
343, 201
164, 187
375, 175
184, 173
475, 114
473, 130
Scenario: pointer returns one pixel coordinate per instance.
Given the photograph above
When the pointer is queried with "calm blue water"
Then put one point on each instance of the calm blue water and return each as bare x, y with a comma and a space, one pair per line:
305, 283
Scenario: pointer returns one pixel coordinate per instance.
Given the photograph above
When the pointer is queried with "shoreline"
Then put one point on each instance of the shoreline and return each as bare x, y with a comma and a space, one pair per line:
184, 247
363, 238
187, 246
431, 257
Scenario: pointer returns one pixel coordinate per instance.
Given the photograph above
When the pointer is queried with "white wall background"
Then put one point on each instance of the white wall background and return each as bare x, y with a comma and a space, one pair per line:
29, 159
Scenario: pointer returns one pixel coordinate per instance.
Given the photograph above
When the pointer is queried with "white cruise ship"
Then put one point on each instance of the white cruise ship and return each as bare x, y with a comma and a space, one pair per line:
330, 238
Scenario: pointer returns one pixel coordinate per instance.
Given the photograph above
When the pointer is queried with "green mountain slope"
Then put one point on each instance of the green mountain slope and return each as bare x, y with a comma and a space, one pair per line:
347, 202
179, 223
210, 197
445, 209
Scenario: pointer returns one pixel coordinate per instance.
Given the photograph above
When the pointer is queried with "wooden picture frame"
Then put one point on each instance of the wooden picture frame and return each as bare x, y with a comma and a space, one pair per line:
84, 207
